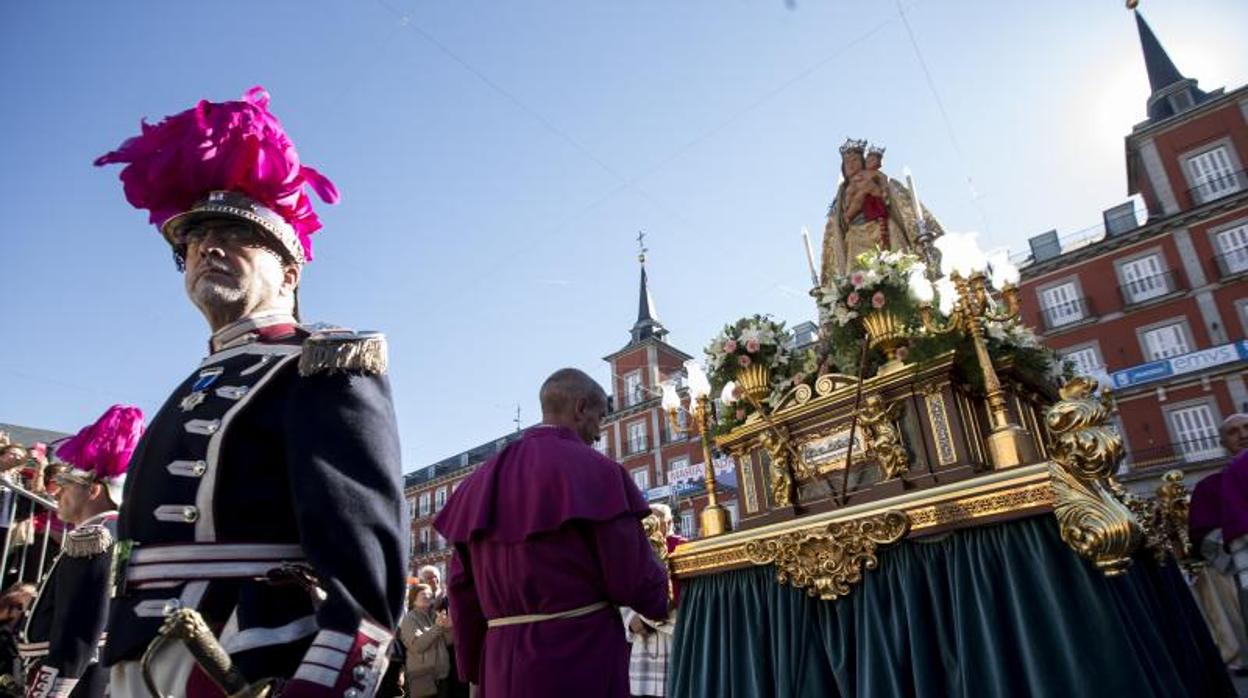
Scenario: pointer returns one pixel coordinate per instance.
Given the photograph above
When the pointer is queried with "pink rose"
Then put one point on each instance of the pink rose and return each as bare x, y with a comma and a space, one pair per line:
799, 379
751, 346
743, 360
902, 353
857, 279
852, 299
730, 345
740, 414
878, 300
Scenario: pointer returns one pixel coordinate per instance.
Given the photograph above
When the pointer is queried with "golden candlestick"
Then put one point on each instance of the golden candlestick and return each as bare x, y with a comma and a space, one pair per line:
1008, 443
714, 518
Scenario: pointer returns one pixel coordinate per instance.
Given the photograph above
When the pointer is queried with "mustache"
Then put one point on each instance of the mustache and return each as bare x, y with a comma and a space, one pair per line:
214, 264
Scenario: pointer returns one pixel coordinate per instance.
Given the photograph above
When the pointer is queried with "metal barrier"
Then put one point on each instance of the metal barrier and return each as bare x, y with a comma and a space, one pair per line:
28, 551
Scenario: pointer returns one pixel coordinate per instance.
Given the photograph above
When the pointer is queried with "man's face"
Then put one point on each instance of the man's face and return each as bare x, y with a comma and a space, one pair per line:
1235, 434
71, 501
589, 416
432, 580
229, 265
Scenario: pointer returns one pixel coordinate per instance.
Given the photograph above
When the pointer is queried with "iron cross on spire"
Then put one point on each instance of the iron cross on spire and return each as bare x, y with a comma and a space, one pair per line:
641, 246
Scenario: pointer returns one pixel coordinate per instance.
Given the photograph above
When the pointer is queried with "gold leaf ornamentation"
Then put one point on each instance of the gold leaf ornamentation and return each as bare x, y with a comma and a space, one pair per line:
1092, 520
827, 561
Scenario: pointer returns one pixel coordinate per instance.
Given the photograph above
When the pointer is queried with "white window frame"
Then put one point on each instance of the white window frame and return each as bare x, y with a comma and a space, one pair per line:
1184, 335
1049, 317
411, 508
633, 388
1090, 350
637, 441
1201, 168
424, 539
1234, 258
424, 503
601, 445
1204, 441
1139, 283
641, 478
688, 524
439, 498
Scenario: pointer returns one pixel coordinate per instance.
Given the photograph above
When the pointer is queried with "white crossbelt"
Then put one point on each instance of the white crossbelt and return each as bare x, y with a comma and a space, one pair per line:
165, 563
539, 617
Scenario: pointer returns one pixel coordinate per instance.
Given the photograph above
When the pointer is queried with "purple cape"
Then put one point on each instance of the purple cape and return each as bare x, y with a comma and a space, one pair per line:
1234, 514
576, 483
1205, 509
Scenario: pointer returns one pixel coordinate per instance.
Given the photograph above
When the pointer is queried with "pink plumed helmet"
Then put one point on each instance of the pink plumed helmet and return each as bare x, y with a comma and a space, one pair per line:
101, 452
224, 159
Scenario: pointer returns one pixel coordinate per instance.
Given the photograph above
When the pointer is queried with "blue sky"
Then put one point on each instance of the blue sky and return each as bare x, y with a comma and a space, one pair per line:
497, 159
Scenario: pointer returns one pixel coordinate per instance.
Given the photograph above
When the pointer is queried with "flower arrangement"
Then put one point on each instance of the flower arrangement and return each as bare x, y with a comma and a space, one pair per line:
881, 280
747, 342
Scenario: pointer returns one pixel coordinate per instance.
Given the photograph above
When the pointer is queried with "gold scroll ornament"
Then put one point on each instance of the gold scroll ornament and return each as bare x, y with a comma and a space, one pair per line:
826, 562
1086, 450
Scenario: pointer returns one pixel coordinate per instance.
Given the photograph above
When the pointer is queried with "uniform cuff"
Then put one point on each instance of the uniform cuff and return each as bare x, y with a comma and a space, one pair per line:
339, 664
47, 683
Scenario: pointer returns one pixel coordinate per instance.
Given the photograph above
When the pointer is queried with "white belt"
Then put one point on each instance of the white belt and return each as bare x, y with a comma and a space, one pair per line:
539, 617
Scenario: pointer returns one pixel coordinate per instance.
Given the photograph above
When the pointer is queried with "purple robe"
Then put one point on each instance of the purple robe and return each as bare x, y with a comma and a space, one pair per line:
1205, 509
1234, 513
546, 526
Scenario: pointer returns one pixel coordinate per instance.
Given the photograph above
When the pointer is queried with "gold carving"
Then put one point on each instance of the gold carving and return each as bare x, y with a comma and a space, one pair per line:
745, 460
828, 383
883, 440
825, 562
754, 381
1085, 451
1163, 517
781, 480
996, 503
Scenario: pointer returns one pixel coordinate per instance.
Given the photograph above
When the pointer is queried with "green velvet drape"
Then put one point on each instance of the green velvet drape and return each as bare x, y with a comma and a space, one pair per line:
1004, 610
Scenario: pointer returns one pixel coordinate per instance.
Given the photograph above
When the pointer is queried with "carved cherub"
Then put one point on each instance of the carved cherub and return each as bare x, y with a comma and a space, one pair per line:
883, 440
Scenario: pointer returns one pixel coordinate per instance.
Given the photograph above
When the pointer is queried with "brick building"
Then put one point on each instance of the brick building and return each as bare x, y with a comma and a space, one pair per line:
1158, 309
665, 464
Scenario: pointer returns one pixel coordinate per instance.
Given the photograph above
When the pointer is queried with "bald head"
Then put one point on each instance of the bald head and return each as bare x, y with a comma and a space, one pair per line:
1234, 433
570, 398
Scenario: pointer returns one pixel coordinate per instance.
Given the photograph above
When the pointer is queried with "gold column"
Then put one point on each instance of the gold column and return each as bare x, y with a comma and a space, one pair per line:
714, 518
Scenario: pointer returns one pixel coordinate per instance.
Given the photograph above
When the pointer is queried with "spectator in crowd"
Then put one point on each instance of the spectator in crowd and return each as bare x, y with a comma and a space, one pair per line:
423, 632
453, 687
14, 603
650, 640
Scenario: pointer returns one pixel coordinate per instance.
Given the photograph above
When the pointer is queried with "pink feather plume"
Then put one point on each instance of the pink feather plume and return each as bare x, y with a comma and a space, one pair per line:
235, 146
104, 448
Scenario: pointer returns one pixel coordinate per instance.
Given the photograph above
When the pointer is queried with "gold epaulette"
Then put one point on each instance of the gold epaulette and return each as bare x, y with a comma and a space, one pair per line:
88, 541
344, 351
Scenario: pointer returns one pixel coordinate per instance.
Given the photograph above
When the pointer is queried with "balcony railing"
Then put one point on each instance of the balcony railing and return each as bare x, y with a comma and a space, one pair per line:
1218, 187
1199, 450
1147, 288
1231, 263
1066, 313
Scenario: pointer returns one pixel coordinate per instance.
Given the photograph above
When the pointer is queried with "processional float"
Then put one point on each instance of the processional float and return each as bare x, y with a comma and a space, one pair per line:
927, 497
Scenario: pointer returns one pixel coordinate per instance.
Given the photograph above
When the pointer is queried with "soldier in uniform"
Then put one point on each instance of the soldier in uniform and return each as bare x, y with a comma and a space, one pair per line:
64, 632
266, 494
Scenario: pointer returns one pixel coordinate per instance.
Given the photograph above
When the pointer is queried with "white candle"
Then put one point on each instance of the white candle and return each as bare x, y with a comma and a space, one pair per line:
810, 257
914, 196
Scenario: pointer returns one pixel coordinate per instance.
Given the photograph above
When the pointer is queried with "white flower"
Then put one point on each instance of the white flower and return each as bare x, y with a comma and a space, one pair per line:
751, 333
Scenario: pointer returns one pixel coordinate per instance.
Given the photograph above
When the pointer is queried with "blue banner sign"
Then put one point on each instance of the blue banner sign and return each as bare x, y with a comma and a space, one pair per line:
1179, 365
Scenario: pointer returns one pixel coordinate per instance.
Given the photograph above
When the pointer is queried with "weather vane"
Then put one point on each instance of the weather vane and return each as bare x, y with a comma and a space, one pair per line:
641, 246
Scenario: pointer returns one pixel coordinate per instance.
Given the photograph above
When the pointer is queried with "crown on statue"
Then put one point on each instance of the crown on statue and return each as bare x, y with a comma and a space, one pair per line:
876, 150
853, 146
